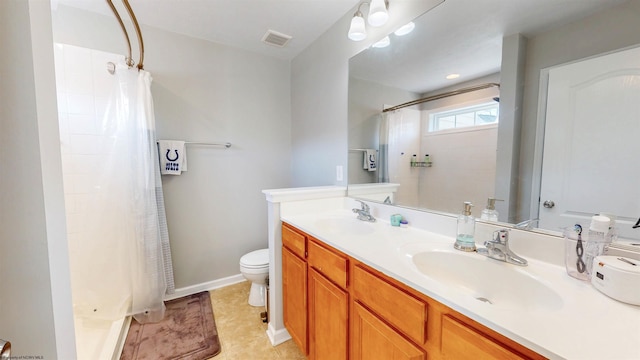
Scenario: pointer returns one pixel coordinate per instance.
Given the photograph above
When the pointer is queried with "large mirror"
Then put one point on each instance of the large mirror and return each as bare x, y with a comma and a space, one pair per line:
489, 142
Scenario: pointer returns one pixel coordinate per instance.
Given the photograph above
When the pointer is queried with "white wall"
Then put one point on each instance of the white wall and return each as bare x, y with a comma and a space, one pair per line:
366, 101
319, 95
607, 31
35, 298
206, 92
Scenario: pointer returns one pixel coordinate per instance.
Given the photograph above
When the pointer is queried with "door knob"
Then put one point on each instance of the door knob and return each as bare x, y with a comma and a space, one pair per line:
548, 204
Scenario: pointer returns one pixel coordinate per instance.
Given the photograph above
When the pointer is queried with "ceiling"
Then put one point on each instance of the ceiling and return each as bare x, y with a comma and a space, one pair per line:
238, 23
456, 37
453, 25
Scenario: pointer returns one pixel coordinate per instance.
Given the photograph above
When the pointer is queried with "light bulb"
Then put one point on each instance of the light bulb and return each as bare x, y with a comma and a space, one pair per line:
357, 31
378, 14
383, 43
405, 29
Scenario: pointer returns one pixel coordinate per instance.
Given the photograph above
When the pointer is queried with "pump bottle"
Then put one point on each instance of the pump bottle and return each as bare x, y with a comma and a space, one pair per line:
466, 228
490, 213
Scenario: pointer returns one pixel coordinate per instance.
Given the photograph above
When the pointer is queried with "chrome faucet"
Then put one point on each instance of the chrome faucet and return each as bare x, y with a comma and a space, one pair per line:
526, 225
498, 249
363, 212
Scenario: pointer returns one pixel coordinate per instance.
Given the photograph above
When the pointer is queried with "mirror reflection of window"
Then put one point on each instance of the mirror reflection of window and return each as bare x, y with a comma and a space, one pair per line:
477, 115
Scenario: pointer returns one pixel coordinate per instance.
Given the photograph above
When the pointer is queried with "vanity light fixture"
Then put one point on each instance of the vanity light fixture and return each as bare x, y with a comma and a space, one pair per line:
383, 43
357, 31
378, 16
405, 29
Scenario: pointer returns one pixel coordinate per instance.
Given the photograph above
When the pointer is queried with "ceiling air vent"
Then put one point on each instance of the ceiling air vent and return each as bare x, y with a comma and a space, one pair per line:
275, 38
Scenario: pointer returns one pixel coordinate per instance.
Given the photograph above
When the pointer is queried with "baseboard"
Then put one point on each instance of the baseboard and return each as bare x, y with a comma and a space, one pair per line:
210, 285
277, 337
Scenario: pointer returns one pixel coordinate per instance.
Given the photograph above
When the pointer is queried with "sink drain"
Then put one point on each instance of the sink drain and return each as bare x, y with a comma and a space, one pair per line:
484, 300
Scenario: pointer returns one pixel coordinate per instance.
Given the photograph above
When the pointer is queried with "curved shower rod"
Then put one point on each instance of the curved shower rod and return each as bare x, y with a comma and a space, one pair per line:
442, 96
129, 59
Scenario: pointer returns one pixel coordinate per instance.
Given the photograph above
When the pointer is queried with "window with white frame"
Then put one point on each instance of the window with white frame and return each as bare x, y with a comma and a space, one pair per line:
477, 115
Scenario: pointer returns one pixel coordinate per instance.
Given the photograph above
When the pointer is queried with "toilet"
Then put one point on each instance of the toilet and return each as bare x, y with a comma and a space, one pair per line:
254, 266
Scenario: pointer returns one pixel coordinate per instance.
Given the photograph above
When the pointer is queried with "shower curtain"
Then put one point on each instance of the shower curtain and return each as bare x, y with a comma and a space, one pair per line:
386, 137
129, 263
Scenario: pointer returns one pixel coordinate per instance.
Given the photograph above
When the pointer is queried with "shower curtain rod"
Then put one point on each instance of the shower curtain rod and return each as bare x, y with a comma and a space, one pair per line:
442, 96
226, 144
129, 59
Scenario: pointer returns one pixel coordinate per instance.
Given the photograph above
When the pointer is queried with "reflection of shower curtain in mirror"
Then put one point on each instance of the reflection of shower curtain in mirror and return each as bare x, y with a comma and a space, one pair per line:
127, 261
383, 151
399, 140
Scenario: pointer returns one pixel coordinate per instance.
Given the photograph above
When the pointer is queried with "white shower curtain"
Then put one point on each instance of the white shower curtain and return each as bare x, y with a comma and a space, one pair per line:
129, 263
386, 132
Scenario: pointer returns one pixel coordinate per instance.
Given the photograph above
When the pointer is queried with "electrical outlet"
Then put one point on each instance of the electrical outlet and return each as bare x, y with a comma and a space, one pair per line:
339, 173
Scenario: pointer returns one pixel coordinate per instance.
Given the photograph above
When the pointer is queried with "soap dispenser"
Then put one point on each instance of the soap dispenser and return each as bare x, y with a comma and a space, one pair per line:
466, 229
490, 213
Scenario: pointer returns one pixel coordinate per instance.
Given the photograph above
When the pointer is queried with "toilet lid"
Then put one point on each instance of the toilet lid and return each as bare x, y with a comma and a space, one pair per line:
256, 258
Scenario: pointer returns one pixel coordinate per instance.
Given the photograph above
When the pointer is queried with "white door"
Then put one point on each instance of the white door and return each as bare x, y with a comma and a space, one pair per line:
591, 161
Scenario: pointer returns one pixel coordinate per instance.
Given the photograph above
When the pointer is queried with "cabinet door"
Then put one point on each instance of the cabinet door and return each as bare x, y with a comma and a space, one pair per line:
294, 297
328, 319
371, 338
459, 341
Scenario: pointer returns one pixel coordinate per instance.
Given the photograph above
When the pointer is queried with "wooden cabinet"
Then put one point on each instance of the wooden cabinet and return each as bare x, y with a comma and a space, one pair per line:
371, 338
403, 311
294, 297
328, 318
336, 307
328, 303
459, 341
315, 299
294, 285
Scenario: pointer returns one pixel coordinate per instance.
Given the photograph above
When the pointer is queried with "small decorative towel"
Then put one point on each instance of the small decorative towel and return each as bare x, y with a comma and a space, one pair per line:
370, 162
173, 157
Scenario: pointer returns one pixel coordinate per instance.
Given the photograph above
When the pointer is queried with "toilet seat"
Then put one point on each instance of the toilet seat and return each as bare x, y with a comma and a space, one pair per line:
257, 259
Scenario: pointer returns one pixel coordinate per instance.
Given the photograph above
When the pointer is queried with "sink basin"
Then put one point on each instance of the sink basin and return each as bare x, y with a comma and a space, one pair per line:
496, 283
344, 224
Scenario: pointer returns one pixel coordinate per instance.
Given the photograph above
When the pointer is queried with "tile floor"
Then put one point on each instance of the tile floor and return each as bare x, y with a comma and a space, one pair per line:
241, 331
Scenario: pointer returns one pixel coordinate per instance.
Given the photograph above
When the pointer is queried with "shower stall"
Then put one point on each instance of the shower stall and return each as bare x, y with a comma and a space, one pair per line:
118, 244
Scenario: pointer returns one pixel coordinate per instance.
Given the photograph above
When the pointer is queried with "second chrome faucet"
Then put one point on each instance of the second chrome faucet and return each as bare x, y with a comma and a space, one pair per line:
498, 248
363, 212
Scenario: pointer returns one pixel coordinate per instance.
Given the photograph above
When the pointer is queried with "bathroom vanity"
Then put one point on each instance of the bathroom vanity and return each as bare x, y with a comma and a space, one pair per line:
358, 290
327, 293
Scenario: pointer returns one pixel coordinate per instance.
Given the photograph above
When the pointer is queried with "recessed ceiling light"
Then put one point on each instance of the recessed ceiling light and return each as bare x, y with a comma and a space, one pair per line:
452, 76
382, 43
405, 29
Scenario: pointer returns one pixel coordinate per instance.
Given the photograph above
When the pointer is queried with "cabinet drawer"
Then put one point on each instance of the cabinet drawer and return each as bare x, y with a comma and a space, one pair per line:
460, 341
294, 241
330, 264
402, 310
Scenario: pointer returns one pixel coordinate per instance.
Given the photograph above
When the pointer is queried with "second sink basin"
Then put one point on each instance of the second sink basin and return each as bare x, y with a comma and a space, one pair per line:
499, 284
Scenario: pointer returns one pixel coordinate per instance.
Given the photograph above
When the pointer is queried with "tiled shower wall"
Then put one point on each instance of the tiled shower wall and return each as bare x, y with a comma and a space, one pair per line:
464, 168
83, 88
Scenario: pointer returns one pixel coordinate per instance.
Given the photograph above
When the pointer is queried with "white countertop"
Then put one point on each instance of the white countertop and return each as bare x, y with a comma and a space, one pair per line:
587, 324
